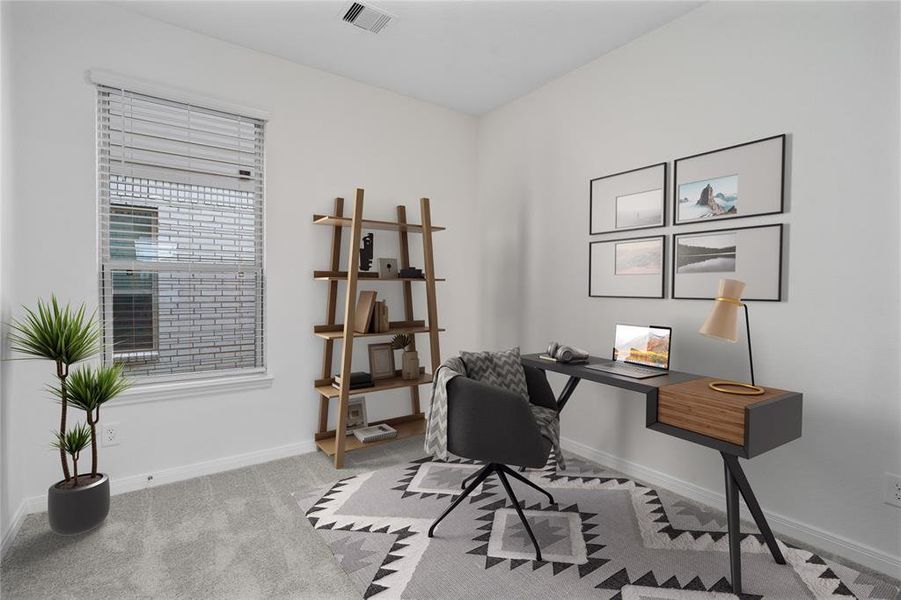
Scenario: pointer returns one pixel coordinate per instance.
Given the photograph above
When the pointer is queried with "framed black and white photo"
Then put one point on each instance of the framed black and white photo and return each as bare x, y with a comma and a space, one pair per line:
629, 200
356, 414
750, 254
746, 180
629, 268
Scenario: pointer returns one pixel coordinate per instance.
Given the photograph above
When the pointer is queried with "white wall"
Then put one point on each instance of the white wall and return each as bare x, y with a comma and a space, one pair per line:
326, 136
828, 75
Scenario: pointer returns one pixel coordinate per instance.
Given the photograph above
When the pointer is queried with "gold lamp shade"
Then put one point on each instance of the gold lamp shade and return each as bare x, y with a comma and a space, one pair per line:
722, 323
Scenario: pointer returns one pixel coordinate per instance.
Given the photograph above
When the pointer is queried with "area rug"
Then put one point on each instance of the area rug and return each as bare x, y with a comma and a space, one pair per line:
607, 537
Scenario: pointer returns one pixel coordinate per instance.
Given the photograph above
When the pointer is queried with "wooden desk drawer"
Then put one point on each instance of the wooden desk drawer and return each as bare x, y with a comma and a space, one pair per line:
756, 423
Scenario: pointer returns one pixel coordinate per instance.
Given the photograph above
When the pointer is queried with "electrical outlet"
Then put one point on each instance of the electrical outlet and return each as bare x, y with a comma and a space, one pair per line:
109, 435
892, 489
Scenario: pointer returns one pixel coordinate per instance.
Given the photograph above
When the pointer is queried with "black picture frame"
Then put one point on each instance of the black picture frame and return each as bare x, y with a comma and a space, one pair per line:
676, 237
664, 187
663, 263
675, 179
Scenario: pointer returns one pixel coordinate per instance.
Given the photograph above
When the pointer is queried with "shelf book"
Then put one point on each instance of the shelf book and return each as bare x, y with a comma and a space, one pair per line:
365, 316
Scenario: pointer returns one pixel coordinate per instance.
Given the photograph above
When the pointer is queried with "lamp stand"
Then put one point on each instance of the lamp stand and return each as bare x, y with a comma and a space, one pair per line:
734, 387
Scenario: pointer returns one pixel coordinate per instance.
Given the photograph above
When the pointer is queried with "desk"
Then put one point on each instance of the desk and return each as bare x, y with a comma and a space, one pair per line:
682, 405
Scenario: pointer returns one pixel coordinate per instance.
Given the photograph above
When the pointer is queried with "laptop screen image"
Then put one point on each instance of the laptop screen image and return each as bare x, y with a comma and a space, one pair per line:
640, 345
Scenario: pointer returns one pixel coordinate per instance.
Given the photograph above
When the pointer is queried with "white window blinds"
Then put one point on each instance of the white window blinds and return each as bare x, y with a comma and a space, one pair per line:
181, 236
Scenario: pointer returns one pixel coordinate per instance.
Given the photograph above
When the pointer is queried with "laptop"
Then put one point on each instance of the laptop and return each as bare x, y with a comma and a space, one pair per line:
639, 352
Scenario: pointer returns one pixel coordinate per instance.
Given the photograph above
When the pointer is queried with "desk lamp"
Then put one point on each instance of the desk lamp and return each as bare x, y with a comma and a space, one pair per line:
722, 324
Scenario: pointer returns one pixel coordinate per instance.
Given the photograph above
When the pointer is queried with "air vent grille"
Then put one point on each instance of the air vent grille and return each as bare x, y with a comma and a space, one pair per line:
366, 17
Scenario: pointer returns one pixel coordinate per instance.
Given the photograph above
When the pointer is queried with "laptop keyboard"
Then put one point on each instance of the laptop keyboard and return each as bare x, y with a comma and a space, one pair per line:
625, 369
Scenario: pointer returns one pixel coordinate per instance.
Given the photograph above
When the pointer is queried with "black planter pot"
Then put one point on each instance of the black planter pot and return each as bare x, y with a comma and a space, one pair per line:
78, 509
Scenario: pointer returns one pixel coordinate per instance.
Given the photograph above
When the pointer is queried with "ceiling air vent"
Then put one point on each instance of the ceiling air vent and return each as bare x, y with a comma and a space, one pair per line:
366, 17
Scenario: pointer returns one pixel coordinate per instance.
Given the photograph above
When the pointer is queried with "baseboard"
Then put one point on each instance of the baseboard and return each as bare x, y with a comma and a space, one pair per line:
14, 525
122, 485
816, 537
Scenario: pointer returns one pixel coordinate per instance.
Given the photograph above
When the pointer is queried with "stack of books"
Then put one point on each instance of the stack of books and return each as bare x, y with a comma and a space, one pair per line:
375, 433
358, 379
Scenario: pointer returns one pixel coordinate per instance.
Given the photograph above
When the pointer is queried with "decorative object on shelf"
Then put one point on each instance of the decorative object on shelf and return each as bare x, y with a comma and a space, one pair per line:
633, 199
722, 324
388, 268
410, 361
66, 336
411, 273
375, 433
364, 311
381, 361
366, 251
745, 180
380, 322
630, 268
356, 414
753, 254
358, 380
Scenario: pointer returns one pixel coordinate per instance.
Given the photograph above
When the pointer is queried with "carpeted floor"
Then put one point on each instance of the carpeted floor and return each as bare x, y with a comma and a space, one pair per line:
236, 535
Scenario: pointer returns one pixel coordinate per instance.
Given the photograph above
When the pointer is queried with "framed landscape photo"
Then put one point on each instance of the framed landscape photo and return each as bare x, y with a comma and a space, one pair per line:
746, 180
629, 200
629, 268
750, 254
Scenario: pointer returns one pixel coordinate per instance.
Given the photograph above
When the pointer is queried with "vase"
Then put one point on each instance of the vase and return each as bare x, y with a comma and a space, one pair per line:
411, 365
78, 509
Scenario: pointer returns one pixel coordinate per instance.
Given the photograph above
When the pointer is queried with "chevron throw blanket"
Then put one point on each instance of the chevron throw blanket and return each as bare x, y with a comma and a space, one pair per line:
548, 420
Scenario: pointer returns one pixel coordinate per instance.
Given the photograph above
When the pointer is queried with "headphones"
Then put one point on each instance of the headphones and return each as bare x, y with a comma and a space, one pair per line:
565, 354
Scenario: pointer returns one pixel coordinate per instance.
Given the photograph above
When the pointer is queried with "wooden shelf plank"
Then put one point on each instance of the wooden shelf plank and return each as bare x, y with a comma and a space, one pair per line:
381, 385
339, 334
371, 224
405, 430
362, 276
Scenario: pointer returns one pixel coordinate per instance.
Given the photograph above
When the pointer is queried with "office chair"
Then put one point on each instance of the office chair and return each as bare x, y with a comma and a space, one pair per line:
495, 426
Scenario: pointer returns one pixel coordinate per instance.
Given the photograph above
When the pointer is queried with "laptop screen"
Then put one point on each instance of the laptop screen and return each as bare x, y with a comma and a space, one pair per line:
641, 345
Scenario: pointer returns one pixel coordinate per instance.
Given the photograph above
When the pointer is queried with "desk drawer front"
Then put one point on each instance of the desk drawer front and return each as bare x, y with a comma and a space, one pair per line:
714, 418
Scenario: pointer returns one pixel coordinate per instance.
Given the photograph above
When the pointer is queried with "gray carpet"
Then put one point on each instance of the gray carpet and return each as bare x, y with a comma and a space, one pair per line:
236, 535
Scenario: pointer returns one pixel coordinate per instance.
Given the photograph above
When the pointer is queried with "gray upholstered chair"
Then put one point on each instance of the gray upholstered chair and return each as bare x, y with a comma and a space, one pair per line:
495, 426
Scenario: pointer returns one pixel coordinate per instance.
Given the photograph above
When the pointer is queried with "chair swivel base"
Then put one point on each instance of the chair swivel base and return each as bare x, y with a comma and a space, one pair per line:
502, 471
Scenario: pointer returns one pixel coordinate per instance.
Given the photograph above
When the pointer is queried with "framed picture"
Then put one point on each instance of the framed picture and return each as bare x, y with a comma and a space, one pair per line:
381, 361
746, 180
750, 254
356, 414
629, 268
629, 200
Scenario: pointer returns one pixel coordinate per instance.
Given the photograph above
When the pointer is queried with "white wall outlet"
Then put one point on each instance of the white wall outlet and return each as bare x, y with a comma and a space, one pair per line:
892, 489
109, 434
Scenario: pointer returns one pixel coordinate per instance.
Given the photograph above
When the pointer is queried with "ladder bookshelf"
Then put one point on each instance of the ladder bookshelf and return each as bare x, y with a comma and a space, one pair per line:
335, 442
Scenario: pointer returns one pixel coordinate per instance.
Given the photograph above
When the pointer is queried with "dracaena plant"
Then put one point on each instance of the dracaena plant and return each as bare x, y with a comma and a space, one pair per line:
73, 442
89, 388
60, 334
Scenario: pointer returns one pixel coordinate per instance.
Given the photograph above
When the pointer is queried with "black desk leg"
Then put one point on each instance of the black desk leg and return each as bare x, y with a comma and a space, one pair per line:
744, 486
732, 508
568, 390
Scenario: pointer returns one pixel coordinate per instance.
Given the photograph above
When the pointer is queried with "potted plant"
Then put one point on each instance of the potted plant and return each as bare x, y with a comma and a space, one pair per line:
404, 341
77, 503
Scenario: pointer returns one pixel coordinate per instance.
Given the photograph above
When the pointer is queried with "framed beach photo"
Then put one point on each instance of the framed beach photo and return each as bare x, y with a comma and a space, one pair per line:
629, 200
750, 254
629, 268
746, 180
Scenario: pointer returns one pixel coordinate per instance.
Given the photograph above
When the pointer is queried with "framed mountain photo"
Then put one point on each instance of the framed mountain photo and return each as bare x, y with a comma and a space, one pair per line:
629, 268
746, 180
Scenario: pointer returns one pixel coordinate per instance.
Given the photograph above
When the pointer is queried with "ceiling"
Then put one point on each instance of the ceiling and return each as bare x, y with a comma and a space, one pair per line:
471, 56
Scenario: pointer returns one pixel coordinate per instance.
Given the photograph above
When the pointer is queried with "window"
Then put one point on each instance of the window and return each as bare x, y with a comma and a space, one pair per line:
181, 236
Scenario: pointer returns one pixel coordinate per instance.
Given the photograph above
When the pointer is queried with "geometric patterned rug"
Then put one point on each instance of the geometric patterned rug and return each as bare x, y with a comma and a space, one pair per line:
607, 538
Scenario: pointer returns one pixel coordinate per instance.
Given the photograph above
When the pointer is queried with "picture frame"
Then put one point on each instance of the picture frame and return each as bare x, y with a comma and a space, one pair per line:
627, 268
744, 180
381, 361
356, 414
628, 201
751, 254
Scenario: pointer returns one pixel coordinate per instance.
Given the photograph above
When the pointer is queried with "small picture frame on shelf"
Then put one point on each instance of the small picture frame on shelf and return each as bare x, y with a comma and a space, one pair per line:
629, 200
381, 361
356, 414
387, 268
746, 180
